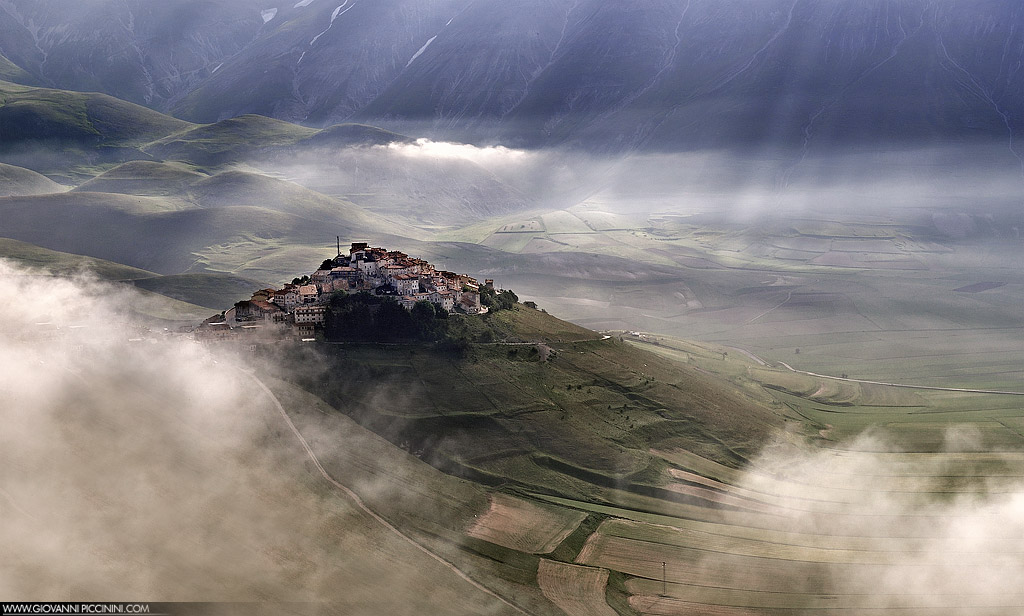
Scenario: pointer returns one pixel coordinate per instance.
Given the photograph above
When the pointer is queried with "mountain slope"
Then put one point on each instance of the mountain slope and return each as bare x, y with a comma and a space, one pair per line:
139, 51
208, 289
662, 74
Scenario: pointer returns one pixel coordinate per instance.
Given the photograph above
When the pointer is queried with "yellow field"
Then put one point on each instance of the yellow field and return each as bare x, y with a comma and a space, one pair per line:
578, 591
524, 525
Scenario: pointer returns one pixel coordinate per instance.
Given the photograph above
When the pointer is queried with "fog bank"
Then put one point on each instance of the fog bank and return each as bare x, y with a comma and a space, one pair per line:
140, 466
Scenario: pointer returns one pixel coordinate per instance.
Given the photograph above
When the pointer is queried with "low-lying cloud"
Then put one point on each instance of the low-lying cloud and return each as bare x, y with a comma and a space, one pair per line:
489, 156
881, 530
137, 465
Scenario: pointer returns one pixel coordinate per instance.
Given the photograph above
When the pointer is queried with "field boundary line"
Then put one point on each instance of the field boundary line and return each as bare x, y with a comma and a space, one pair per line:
359, 502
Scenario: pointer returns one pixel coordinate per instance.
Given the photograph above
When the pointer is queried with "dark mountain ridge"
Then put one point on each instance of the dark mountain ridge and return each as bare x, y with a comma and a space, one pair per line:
803, 75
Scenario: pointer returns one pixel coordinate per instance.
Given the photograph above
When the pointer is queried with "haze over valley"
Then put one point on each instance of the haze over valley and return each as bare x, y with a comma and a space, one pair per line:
766, 356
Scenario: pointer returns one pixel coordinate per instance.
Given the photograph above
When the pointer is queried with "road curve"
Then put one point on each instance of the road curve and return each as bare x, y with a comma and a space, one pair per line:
359, 502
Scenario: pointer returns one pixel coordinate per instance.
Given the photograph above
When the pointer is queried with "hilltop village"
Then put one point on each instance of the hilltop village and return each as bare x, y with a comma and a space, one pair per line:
302, 304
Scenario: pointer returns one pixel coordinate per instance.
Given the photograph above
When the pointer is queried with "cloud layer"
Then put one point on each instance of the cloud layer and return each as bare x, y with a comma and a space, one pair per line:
140, 466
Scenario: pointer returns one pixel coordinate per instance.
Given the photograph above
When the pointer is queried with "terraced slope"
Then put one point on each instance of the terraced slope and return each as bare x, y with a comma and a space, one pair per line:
646, 518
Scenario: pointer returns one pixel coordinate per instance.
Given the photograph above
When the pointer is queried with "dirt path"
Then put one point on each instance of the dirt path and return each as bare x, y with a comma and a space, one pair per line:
789, 296
359, 502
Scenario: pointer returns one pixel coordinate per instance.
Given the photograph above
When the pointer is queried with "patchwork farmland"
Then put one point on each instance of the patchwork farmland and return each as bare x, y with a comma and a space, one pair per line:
826, 520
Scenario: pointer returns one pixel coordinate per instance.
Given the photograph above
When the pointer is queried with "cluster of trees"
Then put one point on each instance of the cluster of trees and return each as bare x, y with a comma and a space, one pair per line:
371, 318
364, 317
504, 299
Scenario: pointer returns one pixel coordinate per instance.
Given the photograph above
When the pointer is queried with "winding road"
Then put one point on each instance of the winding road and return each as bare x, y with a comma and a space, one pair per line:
359, 502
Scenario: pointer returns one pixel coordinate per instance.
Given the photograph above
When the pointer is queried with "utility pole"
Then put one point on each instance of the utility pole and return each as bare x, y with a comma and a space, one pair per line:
664, 580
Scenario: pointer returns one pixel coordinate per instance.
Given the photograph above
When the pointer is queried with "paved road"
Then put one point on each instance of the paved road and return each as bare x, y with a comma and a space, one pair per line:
887, 384
904, 385
359, 502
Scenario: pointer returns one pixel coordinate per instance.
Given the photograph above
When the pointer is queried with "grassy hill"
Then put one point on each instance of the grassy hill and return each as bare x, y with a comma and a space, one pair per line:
93, 131
11, 72
18, 181
71, 136
30, 114
624, 477
145, 232
228, 140
141, 177
234, 187
63, 263
547, 404
209, 289
550, 409
348, 134
157, 299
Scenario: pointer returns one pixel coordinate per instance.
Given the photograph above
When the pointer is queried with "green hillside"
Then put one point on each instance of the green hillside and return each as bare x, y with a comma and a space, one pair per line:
63, 263
32, 115
146, 178
348, 134
549, 408
209, 289
633, 476
144, 232
547, 404
179, 183
230, 140
234, 187
163, 300
13, 73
